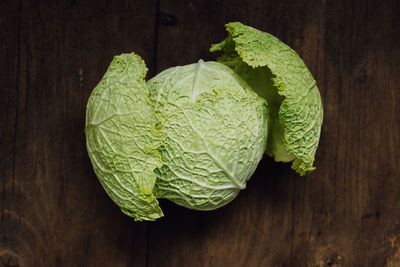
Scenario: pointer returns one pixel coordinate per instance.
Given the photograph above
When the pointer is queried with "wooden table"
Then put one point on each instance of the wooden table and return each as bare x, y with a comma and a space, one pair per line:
54, 211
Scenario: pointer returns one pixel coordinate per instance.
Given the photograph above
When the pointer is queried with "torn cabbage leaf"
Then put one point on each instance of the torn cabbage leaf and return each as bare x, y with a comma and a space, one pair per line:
122, 139
277, 73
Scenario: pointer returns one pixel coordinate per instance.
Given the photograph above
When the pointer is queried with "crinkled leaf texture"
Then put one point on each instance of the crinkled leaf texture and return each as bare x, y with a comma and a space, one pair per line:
277, 73
215, 129
122, 139
193, 134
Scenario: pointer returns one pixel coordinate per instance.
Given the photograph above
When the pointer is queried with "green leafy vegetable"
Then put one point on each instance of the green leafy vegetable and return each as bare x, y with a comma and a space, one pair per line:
278, 74
214, 130
195, 134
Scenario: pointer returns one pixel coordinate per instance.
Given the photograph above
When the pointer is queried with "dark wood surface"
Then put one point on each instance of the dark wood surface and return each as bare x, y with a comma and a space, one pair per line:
54, 211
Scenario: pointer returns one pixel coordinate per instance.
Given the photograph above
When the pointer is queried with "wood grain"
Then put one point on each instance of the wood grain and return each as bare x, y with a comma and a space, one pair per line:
347, 211
54, 211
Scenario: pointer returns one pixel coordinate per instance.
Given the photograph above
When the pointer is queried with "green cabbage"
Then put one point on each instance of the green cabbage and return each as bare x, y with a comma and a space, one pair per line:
195, 134
214, 129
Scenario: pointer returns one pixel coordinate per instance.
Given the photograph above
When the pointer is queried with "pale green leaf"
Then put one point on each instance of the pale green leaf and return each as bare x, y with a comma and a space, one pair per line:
277, 73
121, 137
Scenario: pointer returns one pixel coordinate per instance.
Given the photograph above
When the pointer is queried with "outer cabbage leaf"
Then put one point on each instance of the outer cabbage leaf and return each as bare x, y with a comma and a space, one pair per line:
215, 134
121, 137
277, 73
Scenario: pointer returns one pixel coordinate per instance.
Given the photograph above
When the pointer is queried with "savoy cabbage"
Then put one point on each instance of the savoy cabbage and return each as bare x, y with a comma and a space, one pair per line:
195, 134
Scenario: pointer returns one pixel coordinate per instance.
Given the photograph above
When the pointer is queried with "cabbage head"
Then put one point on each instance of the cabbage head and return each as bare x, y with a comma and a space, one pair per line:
215, 131
195, 134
